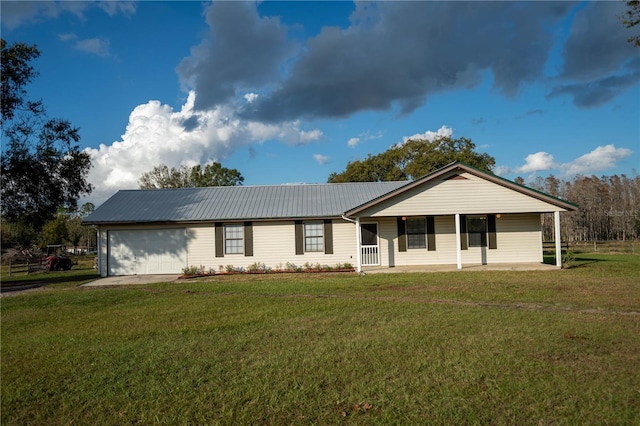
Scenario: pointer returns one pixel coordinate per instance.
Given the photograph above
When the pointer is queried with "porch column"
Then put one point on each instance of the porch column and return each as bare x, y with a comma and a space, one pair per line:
558, 238
458, 244
359, 244
98, 249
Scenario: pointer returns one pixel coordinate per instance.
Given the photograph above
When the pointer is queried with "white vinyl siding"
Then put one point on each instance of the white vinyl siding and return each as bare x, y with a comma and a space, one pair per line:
445, 252
518, 240
472, 195
273, 245
201, 245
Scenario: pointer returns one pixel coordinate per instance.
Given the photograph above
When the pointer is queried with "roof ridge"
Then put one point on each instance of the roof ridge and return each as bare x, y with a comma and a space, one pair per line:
281, 185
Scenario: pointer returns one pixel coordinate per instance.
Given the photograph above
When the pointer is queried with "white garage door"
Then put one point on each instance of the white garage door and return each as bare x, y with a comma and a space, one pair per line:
158, 251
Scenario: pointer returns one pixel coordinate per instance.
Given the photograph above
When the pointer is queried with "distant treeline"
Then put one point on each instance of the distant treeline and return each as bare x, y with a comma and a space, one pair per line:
609, 207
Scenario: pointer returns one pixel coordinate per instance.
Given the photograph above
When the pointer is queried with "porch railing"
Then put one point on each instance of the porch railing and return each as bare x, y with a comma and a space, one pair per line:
370, 256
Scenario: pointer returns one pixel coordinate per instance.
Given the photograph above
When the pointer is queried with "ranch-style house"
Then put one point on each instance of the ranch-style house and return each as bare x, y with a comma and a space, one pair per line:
457, 215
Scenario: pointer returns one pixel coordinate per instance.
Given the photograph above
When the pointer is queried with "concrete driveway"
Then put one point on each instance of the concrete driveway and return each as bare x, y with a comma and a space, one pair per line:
131, 280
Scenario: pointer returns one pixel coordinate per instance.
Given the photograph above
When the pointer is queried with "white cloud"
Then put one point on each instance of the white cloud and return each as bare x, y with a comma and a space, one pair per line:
19, 13
537, 162
288, 133
353, 142
430, 136
601, 158
502, 170
97, 46
250, 97
112, 8
364, 136
67, 37
156, 134
309, 136
321, 159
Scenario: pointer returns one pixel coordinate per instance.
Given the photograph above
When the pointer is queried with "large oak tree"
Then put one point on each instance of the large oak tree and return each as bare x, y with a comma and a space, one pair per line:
212, 174
413, 159
43, 168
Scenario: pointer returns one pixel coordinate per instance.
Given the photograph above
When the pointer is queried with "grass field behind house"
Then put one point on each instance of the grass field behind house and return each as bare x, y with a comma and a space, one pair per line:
481, 347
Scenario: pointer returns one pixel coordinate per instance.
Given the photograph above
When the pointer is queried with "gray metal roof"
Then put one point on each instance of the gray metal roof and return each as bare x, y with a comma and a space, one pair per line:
238, 202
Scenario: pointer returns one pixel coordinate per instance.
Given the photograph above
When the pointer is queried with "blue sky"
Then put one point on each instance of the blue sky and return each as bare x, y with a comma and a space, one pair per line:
292, 91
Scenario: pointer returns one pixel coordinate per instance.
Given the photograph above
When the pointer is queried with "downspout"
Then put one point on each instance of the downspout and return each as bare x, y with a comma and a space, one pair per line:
358, 238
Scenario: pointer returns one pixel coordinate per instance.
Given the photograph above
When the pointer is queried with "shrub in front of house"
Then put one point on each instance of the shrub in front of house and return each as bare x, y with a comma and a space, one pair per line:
289, 267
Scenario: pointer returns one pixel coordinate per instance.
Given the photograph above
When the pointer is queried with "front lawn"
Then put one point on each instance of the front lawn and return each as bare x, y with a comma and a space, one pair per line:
481, 347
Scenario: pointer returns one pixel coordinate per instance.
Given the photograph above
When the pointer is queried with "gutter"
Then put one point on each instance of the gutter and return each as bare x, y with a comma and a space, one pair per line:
348, 219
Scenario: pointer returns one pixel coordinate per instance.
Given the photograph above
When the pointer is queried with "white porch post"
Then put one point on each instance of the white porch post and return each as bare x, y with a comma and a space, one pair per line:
359, 244
98, 250
458, 245
558, 238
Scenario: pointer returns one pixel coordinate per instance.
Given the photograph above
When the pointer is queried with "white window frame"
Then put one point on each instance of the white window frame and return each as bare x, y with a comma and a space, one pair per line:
313, 247
235, 248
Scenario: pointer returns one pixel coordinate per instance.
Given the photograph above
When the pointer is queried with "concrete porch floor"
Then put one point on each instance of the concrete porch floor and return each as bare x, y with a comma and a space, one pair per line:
470, 267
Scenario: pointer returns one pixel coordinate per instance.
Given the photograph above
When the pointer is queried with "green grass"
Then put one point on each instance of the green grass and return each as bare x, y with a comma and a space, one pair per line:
482, 347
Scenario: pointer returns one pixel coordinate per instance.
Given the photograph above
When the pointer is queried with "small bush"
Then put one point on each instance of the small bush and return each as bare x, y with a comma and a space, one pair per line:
568, 259
232, 269
258, 267
193, 270
292, 267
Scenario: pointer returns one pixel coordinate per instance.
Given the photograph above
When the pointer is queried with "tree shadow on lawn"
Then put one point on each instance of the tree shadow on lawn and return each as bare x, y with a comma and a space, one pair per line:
585, 261
12, 284
576, 262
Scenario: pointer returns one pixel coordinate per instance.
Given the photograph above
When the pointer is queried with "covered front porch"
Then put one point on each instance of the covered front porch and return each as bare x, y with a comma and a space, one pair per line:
456, 217
452, 242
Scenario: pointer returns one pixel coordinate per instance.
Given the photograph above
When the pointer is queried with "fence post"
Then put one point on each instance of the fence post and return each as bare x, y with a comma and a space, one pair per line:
10, 265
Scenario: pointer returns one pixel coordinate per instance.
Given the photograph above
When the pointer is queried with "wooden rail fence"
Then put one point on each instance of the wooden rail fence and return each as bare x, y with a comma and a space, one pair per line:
548, 246
30, 267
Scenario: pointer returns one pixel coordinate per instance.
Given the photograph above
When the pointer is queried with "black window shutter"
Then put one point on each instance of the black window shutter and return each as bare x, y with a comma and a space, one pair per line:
464, 243
328, 236
299, 237
402, 235
431, 233
491, 229
219, 237
248, 239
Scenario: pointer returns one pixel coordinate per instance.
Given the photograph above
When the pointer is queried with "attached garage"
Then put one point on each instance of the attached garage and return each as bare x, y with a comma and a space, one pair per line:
153, 251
